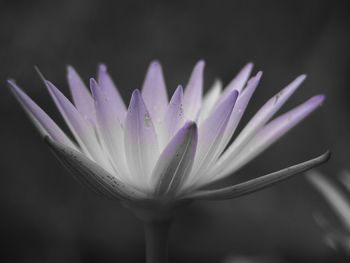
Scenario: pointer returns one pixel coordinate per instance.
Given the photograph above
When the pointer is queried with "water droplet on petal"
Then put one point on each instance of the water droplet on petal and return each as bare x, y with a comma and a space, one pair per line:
277, 96
147, 120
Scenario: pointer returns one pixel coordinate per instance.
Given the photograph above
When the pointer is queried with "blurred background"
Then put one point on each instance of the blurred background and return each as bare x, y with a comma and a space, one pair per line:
47, 217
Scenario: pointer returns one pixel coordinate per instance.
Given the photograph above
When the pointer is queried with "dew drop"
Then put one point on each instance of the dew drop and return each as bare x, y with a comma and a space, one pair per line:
278, 95
147, 120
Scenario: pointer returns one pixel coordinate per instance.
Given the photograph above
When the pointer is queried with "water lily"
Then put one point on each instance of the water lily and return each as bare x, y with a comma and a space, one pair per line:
157, 155
338, 197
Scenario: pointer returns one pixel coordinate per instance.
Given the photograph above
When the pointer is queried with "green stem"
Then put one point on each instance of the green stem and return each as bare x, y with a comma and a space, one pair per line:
156, 234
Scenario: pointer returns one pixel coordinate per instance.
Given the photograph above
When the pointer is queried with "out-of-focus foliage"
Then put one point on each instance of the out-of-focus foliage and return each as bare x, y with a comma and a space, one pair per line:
338, 197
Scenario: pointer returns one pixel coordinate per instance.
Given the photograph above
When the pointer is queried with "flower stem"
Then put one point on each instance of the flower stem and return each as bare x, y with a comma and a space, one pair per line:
156, 234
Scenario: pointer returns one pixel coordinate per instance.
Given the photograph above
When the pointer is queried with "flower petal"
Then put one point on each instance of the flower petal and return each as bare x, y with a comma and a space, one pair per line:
175, 162
81, 128
239, 81
110, 89
91, 173
210, 136
154, 92
338, 201
193, 93
271, 133
81, 96
238, 110
42, 121
109, 127
173, 118
210, 100
256, 123
141, 146
258, 183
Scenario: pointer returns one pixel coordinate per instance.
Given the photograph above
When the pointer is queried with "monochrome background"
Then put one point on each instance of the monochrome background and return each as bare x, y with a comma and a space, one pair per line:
45, 216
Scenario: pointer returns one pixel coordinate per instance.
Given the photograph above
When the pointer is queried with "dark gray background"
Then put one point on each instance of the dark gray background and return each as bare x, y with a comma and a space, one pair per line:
47, 217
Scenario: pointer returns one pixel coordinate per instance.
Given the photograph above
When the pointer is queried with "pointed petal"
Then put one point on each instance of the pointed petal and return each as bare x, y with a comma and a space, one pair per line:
110, 89
210, 99
154, 92
257, 122
260, 182
141, 146
42, 121
81, 129
210, 136
239, 81
91, 173
193, 92
238, 110
174, 116
338, 201
175, 162
110, 129
81, 96
271, 133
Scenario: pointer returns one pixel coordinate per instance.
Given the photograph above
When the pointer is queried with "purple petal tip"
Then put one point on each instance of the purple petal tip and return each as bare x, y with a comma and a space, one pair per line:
256, 78
156, 64
93, 87
136, 93
249, 65
318, 99
189, 125
302, 77
232, 96
70, 69
12, 85
102, 67
259, 75
11, 82
48, 83
179, 87
136, 99
93, 82
200, 63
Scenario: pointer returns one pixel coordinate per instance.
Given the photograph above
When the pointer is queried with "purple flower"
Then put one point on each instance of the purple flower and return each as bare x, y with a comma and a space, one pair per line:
160, 150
